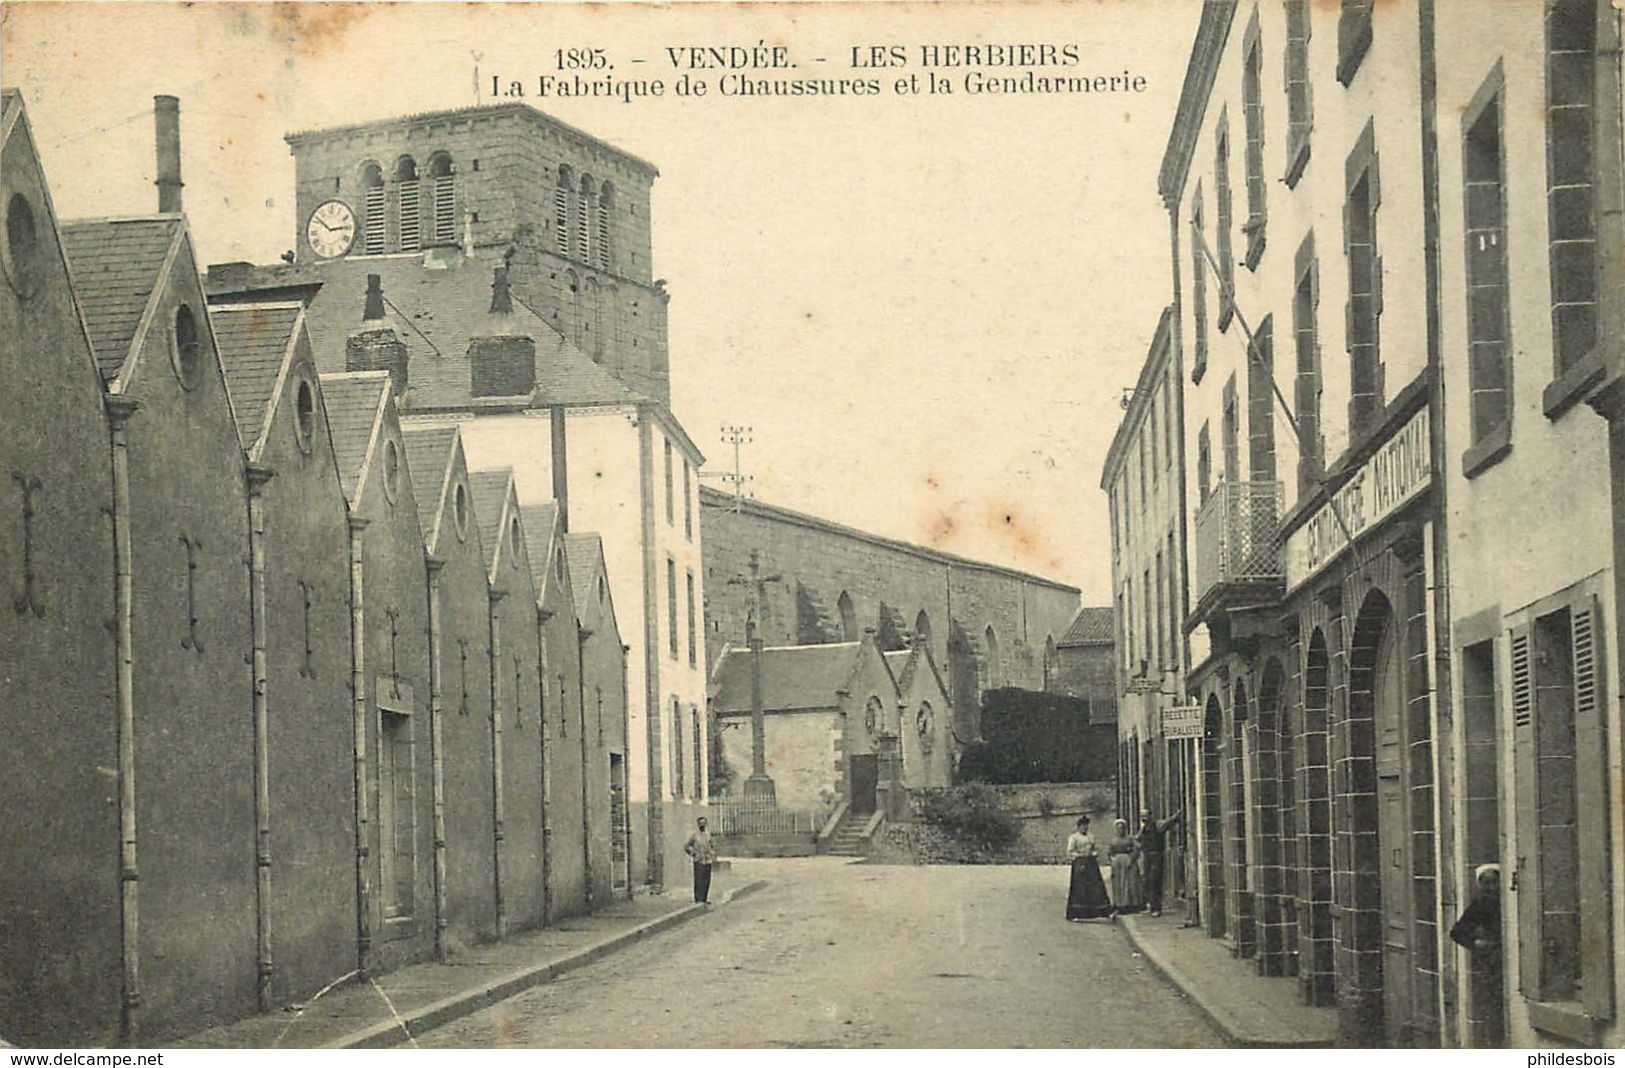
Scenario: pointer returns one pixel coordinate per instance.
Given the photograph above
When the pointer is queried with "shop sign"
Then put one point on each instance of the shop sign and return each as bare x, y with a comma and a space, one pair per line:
1182, 721
1397, 473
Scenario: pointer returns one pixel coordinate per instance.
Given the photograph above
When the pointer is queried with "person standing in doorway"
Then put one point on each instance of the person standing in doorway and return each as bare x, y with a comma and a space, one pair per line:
704, 854
1153, 839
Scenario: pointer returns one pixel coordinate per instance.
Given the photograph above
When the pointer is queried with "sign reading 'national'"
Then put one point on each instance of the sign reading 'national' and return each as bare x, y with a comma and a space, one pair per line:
1396, 473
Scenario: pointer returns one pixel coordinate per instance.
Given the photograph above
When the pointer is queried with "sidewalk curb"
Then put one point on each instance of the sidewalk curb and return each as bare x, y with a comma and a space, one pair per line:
1216, 1014
436, 1014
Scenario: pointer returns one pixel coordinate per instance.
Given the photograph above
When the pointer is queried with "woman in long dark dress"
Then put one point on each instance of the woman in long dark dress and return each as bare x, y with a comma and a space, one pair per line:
1086, 899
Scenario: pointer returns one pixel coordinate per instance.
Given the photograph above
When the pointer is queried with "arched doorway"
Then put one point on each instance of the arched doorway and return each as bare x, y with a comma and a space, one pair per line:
1316, 968
1213, 816
1238, 848
1379, 847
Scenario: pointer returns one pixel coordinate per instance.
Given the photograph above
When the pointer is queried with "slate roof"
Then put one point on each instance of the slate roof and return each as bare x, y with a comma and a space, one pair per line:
428, 453
255, 340
793, 677
353, 405
490, 492
435, 311
538, 520
115, 264
583, 551
1091, 626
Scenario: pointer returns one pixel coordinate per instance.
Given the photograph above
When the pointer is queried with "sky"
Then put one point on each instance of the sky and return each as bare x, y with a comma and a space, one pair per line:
926, 307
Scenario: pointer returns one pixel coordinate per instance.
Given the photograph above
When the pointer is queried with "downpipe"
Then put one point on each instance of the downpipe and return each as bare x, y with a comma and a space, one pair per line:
119, 410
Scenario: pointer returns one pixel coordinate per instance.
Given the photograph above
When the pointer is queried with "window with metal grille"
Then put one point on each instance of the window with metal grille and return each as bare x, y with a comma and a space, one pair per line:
1489, 364
1252, 115
1299, 102
1558, 706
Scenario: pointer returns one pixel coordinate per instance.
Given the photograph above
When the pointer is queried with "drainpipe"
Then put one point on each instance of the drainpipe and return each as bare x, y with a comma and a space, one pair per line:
626, 761
258, 475
497, 811
358, 715
582, 634
542, 616
119, 410
437, 757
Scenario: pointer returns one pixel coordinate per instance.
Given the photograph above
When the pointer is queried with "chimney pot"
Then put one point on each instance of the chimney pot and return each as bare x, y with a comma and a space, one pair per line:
374, 309
501, 296
166, 113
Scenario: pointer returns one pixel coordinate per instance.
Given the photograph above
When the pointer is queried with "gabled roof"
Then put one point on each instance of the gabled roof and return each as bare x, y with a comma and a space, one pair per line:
117, 265
490, 490
257, 343
539, 521
793, 677
901, 663
584, 552
355, 410
1091, 626
436, 311
429, 451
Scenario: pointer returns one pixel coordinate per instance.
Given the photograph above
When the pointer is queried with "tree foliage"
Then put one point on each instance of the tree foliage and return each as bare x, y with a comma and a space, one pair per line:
1039, 737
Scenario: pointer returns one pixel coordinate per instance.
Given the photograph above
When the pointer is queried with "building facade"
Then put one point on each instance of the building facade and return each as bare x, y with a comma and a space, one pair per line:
1086, 663
1399, 682
1143, 479
818, 581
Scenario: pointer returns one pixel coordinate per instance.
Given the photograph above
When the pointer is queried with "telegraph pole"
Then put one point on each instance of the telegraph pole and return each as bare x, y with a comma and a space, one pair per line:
736, 436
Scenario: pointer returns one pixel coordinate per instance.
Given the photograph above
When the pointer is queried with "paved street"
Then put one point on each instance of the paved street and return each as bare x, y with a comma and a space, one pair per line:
833, 954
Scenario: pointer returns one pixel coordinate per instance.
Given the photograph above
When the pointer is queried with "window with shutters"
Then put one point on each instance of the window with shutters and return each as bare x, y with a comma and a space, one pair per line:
694, 739
1225, 251
693, 628
671, 606
408, 206
676, 748
671, 492
606, 205
1353, 37
584, 215
562, 190
1299, 113
1307, 385
1199, 269
374, 240
1148, 609
1365, 286
444, 184
1489, 340
1562, 843
1231, 433
1204, 464
1261, 403
1571, 177
688, 500
1151, 414
1252, 116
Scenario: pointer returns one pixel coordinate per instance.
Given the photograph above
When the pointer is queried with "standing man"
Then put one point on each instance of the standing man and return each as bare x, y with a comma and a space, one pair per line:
704, 853
1153, 838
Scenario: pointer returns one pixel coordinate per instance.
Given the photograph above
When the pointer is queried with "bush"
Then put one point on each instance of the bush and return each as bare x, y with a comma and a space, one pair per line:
973, 814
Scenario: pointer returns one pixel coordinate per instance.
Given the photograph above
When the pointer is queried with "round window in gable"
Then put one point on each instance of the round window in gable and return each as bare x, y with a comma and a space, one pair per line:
22, 249
392, 469
304, 425
513, 540
459, 511
186, 348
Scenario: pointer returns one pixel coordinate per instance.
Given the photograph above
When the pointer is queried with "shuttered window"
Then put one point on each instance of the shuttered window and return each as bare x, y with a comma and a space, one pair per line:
1489, 369
1252, 114
603, 232
410, 209
583, 232
1563, 880
373, 242
1571, 45
699, 777
1225, 250
1353, 37
561, 219
1306, 340
676, 748
445, 208
1364, 308
1199, 269
1298, 111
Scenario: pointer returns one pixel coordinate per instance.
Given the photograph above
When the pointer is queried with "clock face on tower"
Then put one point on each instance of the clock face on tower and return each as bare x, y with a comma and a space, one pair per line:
331, 229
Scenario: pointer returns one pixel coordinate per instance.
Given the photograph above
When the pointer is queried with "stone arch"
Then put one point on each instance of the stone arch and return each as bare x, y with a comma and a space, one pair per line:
922, 626
1317, 975
374, 236
563, 190
849, 617
1238, 820
604, 239
408, 205
993, 659
443, 181
1213, 816
1371, 825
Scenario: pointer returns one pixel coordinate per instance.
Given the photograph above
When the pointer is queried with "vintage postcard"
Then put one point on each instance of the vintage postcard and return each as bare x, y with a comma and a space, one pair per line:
812, 525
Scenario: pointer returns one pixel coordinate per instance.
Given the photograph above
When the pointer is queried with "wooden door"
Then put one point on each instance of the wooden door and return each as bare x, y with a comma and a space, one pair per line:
1393, 827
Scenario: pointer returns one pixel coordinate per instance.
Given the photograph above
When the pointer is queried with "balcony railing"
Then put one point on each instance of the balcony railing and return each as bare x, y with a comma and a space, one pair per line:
1237, 536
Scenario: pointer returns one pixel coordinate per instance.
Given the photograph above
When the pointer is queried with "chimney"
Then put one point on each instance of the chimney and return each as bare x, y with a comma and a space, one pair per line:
501, 358
374, 345
501, 297
166, 113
